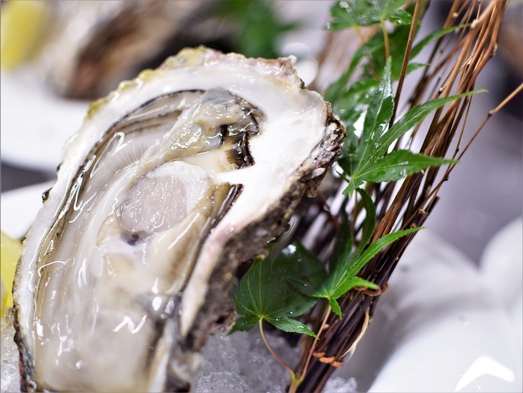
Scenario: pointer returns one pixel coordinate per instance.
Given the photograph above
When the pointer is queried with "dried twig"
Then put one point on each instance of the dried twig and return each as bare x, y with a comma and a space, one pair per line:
455, 64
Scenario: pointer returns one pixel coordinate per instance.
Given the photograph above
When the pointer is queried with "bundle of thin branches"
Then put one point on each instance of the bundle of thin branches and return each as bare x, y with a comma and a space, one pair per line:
454, 65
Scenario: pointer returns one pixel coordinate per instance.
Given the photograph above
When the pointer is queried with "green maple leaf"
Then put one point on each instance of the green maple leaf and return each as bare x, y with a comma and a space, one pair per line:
266, 291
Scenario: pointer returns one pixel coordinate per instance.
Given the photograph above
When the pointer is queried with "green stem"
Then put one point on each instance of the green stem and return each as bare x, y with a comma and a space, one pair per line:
360, 36
412, 34
294, 385
302, 372
385, 39
280, 360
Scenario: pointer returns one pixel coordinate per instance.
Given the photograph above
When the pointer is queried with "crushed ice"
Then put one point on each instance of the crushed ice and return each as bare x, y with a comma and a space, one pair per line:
241, 363
237, 363
340, 385
10, 377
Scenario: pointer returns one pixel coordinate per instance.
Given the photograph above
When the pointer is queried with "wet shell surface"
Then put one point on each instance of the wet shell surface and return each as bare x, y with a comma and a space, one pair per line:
173, 180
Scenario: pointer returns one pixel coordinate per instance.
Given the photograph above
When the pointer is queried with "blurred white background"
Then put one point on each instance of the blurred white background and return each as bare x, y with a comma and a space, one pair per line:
484, 195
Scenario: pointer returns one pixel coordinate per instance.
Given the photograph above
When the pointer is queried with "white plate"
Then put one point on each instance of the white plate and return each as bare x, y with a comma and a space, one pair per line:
35, 122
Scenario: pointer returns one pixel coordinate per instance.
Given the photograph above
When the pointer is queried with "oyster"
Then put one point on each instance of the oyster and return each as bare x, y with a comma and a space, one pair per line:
92, 45
173, 180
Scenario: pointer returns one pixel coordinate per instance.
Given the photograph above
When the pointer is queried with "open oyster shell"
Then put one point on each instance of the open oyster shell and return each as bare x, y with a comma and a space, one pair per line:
173, 180
92, 45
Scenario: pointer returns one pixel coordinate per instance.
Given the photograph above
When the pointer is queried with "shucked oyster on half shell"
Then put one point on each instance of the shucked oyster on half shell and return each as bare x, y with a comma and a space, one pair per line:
173, 180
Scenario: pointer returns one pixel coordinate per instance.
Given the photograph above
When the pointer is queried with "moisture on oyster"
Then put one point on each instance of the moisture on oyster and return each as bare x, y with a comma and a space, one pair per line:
173, 180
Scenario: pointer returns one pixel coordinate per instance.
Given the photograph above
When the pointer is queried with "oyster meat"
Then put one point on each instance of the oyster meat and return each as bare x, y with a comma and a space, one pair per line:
174, 179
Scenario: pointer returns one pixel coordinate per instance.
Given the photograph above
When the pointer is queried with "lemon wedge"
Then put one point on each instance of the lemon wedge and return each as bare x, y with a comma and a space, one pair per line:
10, 252
21, 22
